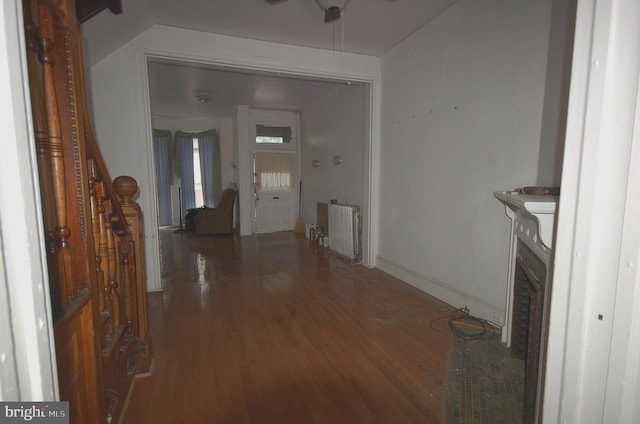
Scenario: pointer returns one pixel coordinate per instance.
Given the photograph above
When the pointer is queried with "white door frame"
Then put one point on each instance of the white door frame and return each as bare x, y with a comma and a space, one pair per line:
284, 119
28, 365
593, 361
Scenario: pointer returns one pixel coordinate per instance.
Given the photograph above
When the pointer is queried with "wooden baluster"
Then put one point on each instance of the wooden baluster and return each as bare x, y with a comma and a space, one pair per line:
40, 129
56, 152
126, 187
95, 230
127, 276
134, 314
112, 268
103, 263
43, 155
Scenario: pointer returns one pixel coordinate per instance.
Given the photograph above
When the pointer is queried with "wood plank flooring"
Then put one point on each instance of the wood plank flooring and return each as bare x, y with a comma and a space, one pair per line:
270, 329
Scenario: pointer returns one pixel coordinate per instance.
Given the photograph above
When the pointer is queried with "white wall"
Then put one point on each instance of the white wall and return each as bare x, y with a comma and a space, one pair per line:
334, 125
122, 126
556, 94
136, 17
462, 105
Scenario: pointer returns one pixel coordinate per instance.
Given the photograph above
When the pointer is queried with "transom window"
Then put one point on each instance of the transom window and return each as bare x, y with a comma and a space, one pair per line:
267, 134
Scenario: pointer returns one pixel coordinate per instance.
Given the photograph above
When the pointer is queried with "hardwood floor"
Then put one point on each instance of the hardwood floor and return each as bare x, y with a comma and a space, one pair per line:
269, 329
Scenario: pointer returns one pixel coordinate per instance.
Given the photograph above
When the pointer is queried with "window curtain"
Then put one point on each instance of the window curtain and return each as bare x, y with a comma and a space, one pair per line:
162, 158
275, 171
210, 166
184, 146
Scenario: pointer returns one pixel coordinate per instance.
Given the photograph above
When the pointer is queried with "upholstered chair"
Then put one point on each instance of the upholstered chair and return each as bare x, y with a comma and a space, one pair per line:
218, 220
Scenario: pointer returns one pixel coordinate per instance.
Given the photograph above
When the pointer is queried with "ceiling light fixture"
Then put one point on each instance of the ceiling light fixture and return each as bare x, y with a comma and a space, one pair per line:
329, 4
203, 98
332, 9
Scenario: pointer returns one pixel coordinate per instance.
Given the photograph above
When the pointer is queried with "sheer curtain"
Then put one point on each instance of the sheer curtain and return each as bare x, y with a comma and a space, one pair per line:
184, 145
275, 171
210, 166
162, 156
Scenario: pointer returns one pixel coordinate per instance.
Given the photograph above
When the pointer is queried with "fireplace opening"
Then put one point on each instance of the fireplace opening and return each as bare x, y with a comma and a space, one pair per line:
528, 311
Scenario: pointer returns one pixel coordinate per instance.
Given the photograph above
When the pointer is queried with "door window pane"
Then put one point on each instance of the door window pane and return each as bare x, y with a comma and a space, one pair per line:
275, 171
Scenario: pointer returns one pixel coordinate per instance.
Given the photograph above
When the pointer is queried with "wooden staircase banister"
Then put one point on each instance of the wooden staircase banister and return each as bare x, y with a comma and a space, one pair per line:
119, 222
94, 237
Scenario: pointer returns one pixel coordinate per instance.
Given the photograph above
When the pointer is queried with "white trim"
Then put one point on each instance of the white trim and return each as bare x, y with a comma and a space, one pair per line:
222, 50
583, 345
371, 196
513, 245
27, 354
623, 382
245, 165
276, 118
542, 208
478, 307
151, 238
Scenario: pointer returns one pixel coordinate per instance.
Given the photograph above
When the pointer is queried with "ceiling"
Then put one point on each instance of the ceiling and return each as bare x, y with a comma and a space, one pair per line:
369, 27
173, 87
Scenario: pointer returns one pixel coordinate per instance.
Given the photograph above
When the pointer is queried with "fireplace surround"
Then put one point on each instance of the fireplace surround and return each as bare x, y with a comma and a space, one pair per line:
528, 288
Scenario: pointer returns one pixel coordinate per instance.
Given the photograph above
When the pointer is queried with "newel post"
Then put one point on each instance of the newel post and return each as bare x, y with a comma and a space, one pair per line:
126, 187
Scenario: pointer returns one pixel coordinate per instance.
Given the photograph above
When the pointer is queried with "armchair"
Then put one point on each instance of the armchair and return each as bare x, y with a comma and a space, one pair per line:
218, 220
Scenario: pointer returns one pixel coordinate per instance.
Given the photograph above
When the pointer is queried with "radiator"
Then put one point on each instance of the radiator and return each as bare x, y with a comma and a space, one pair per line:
344, 231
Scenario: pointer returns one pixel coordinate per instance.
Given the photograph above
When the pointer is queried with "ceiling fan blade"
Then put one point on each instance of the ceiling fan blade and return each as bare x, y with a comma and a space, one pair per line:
331, 14
272, 2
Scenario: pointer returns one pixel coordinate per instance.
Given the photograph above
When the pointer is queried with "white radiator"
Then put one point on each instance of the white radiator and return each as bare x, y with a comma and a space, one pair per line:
344, 230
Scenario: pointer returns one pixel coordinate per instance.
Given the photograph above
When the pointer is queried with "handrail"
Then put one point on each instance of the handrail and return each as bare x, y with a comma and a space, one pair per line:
94, 237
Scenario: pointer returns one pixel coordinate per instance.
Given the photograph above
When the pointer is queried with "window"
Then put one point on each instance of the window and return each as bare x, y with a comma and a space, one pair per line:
266, 134
200, 172
197, 174
269, 140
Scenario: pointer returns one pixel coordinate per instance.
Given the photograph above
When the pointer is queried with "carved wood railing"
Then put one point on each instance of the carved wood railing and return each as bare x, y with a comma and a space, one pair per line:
93, 228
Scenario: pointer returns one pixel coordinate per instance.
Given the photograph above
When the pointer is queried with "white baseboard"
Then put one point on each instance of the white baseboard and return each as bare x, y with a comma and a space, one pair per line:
155, 290
477, 307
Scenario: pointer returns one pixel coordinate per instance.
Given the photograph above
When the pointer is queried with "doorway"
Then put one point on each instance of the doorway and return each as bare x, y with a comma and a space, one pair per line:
274, 185
259, 89
275, 147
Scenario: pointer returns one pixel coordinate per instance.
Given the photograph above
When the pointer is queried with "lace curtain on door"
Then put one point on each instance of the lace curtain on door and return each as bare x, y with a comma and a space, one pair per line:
275, 171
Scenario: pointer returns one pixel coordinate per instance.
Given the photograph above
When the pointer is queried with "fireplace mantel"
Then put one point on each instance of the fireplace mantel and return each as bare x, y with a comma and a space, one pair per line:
527, 304
532, 221
542, 208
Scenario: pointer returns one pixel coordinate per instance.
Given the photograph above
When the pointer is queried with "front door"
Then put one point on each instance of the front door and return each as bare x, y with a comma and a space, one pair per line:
275, 191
